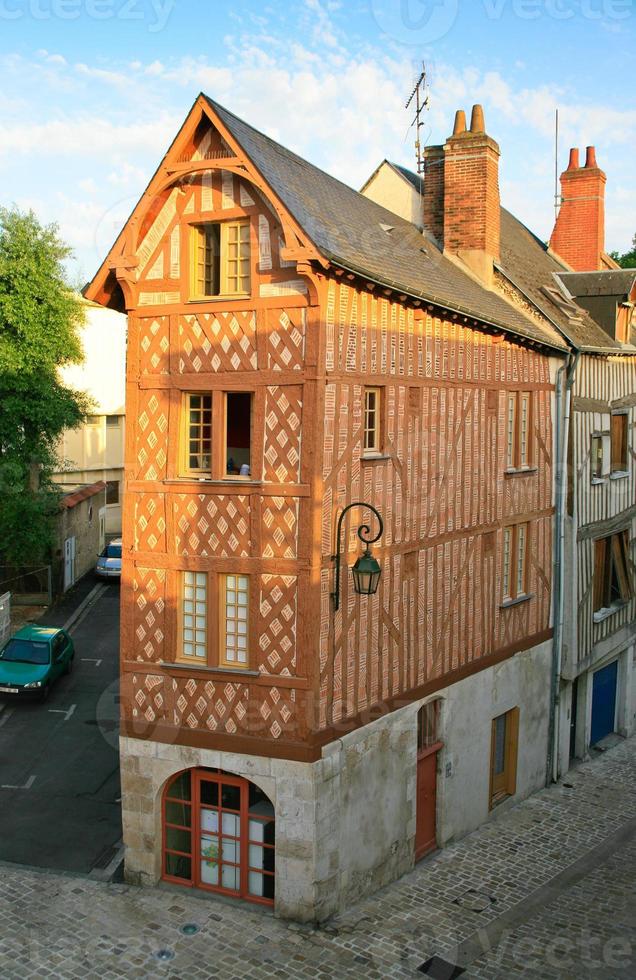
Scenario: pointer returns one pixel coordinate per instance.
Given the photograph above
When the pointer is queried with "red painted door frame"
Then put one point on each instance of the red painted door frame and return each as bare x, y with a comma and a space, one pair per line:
426, 801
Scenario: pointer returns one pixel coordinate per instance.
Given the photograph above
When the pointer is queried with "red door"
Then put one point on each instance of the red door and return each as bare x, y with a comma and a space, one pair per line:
426, 800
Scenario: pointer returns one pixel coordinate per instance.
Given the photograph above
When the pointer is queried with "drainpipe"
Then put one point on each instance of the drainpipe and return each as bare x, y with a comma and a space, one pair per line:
562, 439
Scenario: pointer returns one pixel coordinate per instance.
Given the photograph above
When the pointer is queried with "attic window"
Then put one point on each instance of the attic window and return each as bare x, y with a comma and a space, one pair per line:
220, 264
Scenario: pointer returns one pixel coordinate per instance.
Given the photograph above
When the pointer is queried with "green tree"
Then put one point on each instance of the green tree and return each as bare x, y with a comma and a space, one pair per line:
628, 259
39, 320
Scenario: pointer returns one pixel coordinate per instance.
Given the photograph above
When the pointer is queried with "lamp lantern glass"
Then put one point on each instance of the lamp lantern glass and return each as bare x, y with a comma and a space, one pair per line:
366, 574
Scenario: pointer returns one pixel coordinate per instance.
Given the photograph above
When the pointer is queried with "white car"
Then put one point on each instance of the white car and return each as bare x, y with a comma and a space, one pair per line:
109, 561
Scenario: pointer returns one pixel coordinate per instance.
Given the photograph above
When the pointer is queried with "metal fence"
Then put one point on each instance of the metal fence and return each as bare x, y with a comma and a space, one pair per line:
28, 584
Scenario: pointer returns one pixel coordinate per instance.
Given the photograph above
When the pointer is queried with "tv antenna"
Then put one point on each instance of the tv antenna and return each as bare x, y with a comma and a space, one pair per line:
557, 196
420, 94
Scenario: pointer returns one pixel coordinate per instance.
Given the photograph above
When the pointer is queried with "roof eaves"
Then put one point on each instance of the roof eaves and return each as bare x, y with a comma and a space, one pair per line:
444, 304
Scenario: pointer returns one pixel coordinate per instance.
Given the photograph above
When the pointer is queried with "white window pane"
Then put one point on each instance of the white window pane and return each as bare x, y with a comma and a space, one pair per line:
241, 612
229, 653
229, 612
242, 581
255, 883
230, 581
242, 628
188, 650
188, 636
231, 626
230, 595
200, 622
188, 606
231, 824
230, 877
256, 830
241, 642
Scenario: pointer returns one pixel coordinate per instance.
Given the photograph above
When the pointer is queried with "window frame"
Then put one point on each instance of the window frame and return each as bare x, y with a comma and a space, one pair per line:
619, 467
376, 449
503, 785
199, 228
184, 451
611, 553
223, 662
214, 606
516, 461
113, 421
517, 532
180, 656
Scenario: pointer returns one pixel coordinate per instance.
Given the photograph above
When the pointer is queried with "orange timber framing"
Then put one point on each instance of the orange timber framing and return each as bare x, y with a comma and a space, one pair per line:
370, 658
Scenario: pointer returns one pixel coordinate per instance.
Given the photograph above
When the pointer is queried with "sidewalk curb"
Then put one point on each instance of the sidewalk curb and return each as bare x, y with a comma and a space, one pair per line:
92, 596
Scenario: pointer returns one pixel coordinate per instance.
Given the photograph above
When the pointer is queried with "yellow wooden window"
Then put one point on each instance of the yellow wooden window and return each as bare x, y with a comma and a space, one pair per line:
518, 430
220, 259
612, 574
372, 427
619, 443
193, 619
234, 599
515, 562
503, 756
235, 257
198, 432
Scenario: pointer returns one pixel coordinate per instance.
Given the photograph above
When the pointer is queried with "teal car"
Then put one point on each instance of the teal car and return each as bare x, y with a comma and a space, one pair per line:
33, 659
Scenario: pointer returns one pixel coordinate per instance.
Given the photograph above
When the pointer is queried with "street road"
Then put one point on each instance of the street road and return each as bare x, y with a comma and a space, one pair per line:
59, 762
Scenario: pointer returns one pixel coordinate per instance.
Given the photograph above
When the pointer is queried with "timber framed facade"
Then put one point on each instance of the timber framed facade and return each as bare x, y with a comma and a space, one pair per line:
249, 354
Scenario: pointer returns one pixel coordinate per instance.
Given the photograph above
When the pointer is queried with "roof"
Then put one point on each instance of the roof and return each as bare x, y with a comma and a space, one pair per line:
75, 497
531, 267
346, 228
527, 262
608, 283
32, 632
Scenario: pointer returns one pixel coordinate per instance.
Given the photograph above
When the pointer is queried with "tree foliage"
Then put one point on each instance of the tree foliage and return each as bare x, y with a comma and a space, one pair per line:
39, 321
628, 259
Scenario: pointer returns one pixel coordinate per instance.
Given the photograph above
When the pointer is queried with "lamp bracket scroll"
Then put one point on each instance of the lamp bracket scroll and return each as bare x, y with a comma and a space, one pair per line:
366, 571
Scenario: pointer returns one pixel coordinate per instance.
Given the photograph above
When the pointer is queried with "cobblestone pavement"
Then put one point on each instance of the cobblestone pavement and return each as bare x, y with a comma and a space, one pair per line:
544, 890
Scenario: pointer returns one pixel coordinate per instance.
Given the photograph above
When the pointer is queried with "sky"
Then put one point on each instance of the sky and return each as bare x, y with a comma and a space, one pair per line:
93, 91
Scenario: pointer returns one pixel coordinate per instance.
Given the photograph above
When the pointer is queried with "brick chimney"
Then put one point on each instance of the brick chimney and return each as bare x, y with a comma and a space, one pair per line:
579, 231
461, 194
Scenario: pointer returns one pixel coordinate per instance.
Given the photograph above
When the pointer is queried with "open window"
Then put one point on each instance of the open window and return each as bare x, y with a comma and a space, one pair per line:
220, 264
619, 442
198, 433
612, 581
238, 434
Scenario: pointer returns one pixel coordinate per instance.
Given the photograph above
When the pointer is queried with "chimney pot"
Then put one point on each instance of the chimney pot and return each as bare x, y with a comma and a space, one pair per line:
590, 157
477, 124
460, 122
573, 162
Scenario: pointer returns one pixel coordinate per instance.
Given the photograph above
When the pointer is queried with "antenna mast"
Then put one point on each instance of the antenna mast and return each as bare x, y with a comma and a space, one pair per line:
557, 200
420, 95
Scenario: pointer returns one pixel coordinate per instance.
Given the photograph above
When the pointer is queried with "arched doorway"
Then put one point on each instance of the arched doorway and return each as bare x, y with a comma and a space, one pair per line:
218, 835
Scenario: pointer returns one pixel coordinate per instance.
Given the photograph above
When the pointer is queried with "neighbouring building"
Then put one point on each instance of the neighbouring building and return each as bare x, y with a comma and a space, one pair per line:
95, 450
590, 301
79, 533
597, 638
294, 348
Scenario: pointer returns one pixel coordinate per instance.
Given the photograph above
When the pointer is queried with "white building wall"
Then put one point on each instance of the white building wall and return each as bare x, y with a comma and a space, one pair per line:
95, 450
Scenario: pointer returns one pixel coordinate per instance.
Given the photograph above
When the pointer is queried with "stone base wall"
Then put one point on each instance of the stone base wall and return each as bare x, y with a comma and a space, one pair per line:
345, 825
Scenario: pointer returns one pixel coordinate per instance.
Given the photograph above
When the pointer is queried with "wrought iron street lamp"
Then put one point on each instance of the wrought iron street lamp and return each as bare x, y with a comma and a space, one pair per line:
366, 570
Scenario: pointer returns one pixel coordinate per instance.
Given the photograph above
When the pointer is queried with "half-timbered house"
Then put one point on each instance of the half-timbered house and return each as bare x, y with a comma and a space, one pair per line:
295, 348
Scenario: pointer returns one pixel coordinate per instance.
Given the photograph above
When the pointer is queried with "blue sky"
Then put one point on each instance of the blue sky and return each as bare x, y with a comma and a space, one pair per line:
92, 91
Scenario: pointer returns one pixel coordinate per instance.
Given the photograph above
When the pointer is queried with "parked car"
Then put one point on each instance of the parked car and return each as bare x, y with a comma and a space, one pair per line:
33, 659
109, 561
